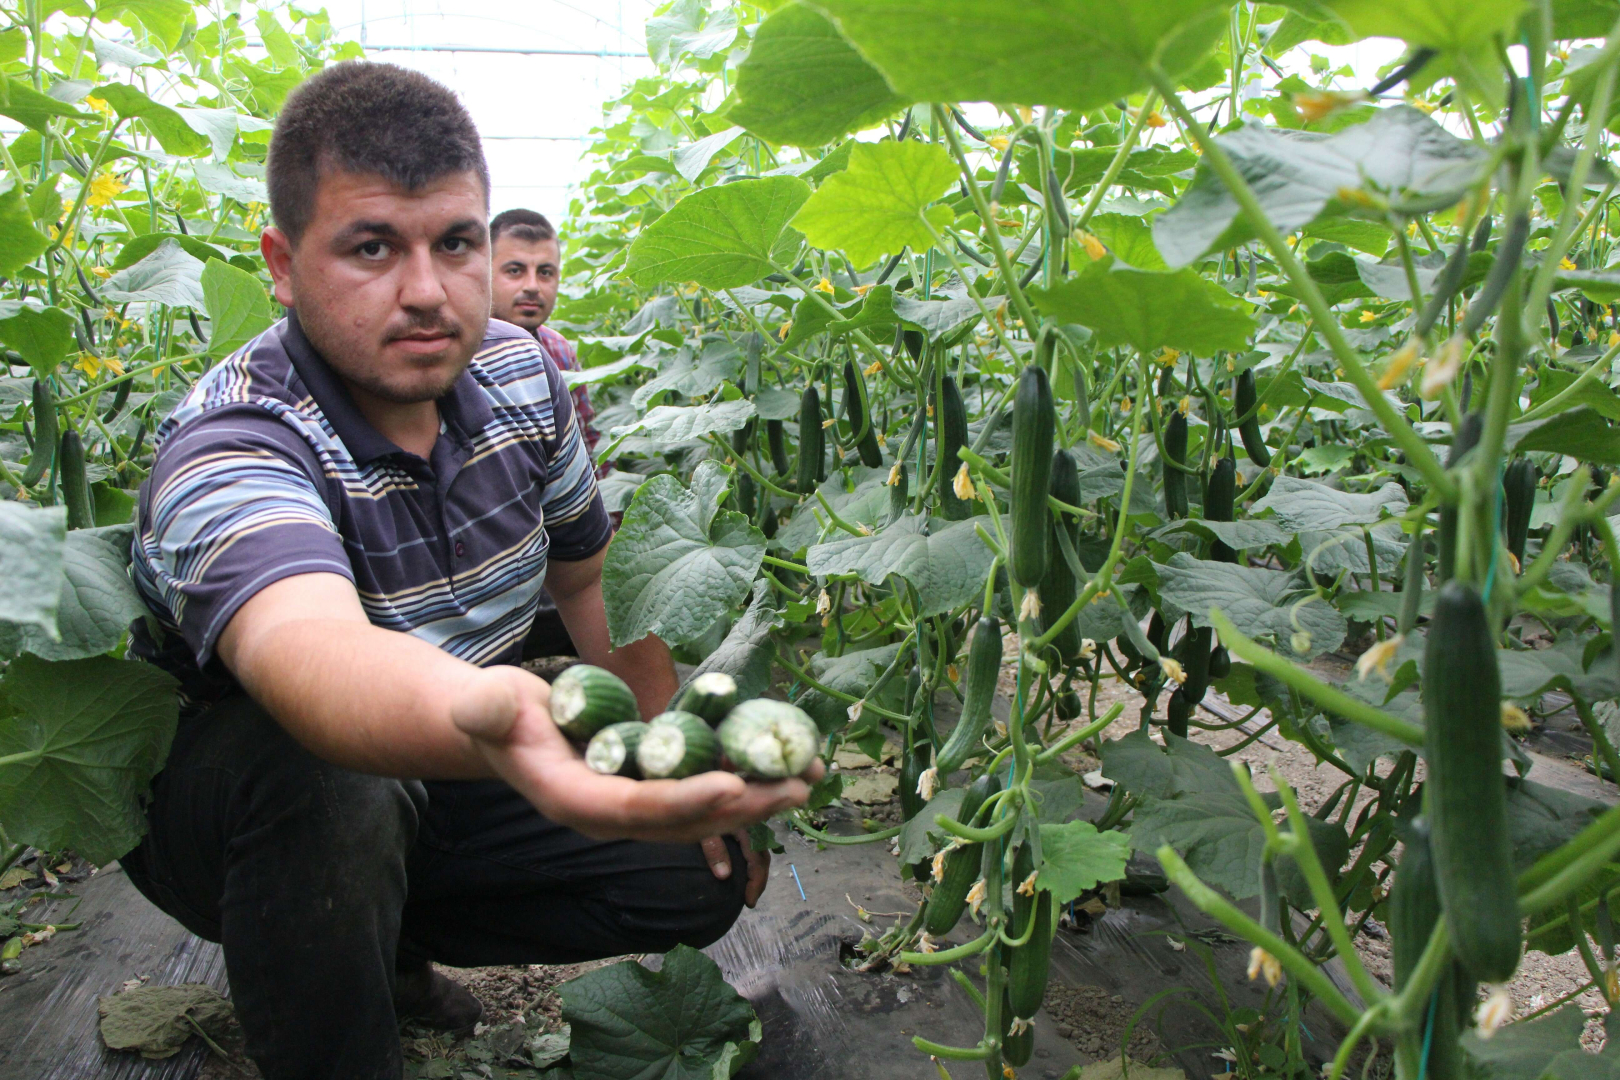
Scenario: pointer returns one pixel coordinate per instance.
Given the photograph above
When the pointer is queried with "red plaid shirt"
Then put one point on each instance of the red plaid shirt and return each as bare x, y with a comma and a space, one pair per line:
562, 354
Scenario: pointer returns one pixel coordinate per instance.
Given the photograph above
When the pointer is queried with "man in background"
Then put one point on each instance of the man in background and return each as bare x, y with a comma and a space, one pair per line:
527, 260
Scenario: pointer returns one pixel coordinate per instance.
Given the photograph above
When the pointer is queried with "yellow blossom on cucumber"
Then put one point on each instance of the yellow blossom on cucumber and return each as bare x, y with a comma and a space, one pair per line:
862, 290
104, 188
894, 475
98, 105
1168, 356
1442, 371
855, 711
1185, 406
1093, 246
1263, 963
1493, 1012
823, 603
1368, 316
925, 944
1399, 366
962, 485
1566, 264
825, 424
1088, 647
824, 286
873, 368
999, 142
1377, 658
928, 783
975, 896
1172, 670
1318, 104
783, 333
1031, 606
1514, 718
1102, 442
1027, 886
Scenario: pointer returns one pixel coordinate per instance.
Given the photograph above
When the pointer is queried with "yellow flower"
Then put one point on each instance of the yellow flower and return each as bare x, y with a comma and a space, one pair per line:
1263, 963
975, 896
1031, 606
104, 273
873, 368
1126, 406
999, 142
1172, 670
894, 475
1565, 264
98, 105
1614, 339
1025, 113
1102, 442
823, 286
88, 363
1027, 886
1494, 1011
1377, 659
862, 290
1443, 371
928, 783
1514, 718
783, 333
1399, 366
1368, 316
1316, 105
828, 423
1169, 356
1094, 247
963, 484
1185, 407
1422, 106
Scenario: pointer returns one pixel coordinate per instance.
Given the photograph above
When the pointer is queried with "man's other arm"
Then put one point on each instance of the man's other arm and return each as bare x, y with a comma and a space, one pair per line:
576, 588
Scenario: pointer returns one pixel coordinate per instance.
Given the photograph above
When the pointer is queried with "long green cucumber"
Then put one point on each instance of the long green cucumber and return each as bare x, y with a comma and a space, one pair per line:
1244, 398
612, 751
1220, 497
899, 492
1060, 588
979, 691
75, 488
677, 745
45, 434
1016, 1049
1518, 499
776, 439
1464, 439
1082, 398
916, 763
768, 739
951, 428
1029, 964
1034, 420
949, 898
1412, 589
1413, 909
812, 442
859, 411
586, 699
1175, 453
710, 695
1465, 795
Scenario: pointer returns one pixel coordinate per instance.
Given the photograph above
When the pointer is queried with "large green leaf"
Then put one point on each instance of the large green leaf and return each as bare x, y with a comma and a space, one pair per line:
681, 423
1400, 152
170, 275
1581, 433
1545, 1049
811, 317
163, 19
41, 336
864, 502
21, 241
97, 602
1073, 54
1268, 604
804, 84
1150, 310
853, 673
945, 565
84, 738
1152, 168
922, 835
937, 318
171, 130
141, 246
1076, 857
880, 203
720, 237
238, 307
692, 374
747, 652
35, 543
682, 1022
1440, 24
678, 563
1305, 505
33, 109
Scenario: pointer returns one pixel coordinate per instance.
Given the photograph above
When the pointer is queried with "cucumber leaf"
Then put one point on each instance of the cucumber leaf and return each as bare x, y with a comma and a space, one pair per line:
1305, 505
854, 674
35, 542
88, 735
238, 307
682, 423
804, 84
97, 603
879, 204
945, 565
720, 237
1265, 604
682, 1022
1076, 857
747, 652
677, 542
1544, 1049
1150, 310
169, 275
41, 337
1439, 24
866, 502
1071, 54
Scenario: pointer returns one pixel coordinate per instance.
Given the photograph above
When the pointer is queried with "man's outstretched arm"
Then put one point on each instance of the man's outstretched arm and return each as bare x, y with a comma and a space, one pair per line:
382, 702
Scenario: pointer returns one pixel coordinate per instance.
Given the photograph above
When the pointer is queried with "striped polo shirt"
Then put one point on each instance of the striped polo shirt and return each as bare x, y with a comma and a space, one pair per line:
267, 469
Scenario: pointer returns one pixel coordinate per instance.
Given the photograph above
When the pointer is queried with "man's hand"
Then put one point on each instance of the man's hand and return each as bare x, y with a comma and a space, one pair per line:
504, 710
758, 863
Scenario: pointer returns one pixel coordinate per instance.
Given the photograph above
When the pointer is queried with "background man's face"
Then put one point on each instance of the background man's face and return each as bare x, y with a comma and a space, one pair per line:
390, 285
524, 289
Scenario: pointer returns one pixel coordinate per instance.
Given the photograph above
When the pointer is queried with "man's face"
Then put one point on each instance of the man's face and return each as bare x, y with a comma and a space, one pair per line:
390, 285
525, 285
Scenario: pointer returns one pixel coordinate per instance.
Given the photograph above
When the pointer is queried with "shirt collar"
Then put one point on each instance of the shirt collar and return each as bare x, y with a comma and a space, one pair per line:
464, 409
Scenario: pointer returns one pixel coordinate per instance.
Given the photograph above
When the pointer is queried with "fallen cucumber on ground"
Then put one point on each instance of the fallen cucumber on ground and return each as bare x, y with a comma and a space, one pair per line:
761, 739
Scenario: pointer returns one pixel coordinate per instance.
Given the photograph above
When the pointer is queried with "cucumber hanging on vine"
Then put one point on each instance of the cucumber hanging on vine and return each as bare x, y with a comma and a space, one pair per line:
45, 435
1029, 963
1016, 1048
917, 762
75, 487
951, 426
776, 439
859, 411
1518, 499
1034, 418
1220, 496
979, 691
1082, 398
1244, 398
1060, 588
812, 442
1465, 795
961, 864
1464, 439
1413, 909
899, 492
1175, 453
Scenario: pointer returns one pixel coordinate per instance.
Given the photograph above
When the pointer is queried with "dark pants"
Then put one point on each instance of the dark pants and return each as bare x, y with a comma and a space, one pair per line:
319, 882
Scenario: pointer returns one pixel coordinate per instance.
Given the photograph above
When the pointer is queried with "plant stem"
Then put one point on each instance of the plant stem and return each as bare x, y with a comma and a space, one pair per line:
1003, 264
1117, 165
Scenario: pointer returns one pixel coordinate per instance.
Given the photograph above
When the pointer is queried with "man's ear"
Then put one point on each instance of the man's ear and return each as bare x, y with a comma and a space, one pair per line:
277, 250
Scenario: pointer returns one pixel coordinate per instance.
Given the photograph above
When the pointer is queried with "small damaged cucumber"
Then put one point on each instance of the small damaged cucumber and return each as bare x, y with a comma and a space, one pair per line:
710, 695
978, 692
612, 751
1034, 420
1465, 795
676, 745
769, 740
586, 699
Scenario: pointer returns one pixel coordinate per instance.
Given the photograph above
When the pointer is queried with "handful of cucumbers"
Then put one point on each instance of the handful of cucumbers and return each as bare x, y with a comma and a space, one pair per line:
763, 739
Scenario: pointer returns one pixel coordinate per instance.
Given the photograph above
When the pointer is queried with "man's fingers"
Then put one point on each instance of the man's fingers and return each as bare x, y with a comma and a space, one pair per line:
759, 868
714, 850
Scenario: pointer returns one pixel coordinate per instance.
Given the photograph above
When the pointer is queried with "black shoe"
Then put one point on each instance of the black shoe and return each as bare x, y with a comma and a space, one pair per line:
434, 1001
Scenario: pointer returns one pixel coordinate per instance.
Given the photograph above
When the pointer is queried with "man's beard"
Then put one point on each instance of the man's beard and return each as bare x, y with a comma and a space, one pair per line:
399, 391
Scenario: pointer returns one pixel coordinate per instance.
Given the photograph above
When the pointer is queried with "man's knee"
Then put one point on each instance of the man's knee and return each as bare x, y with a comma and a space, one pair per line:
683, 904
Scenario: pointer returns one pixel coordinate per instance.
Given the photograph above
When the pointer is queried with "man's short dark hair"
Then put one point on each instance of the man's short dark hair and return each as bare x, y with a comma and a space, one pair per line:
522, 225
362, 117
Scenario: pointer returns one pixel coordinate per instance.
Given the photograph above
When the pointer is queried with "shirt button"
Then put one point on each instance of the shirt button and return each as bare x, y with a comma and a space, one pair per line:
461, 549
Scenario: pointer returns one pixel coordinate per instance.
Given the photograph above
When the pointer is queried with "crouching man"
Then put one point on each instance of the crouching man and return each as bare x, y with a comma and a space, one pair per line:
342, 543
